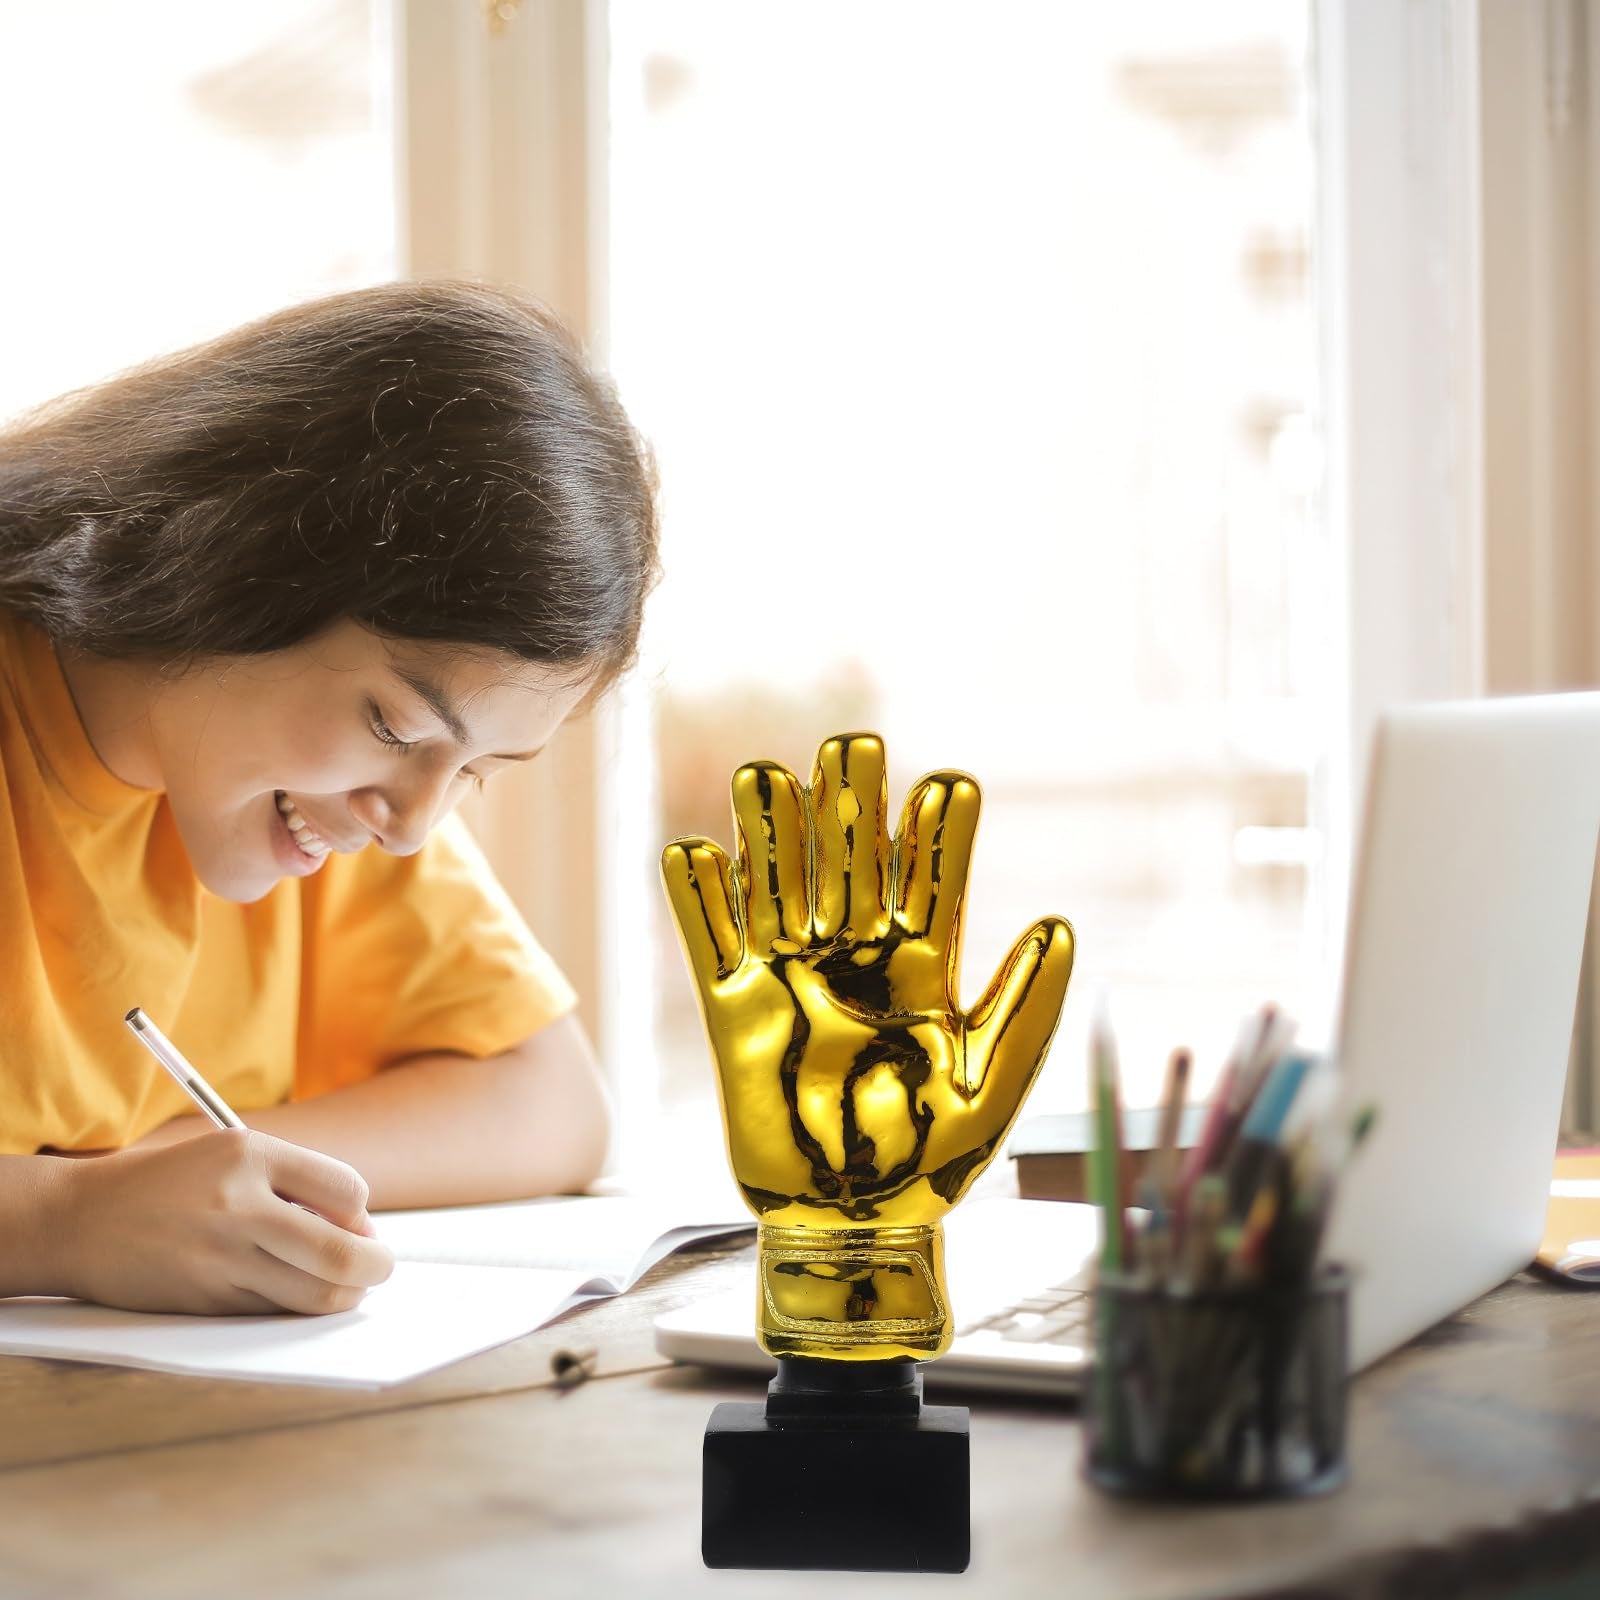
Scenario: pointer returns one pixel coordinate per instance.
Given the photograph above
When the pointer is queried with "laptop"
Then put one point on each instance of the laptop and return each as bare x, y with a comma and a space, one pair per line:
1469, 904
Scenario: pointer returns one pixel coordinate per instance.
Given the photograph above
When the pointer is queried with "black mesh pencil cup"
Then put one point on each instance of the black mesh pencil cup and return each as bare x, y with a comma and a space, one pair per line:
1221, 1394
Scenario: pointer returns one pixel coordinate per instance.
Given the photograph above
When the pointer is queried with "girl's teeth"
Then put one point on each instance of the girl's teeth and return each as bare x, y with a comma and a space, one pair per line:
299, 827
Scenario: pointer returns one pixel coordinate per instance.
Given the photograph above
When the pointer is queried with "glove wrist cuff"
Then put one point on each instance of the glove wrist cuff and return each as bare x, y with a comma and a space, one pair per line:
853, 1294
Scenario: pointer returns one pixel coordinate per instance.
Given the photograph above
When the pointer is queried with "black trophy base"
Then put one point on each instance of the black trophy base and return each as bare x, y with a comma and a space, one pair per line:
843, 1469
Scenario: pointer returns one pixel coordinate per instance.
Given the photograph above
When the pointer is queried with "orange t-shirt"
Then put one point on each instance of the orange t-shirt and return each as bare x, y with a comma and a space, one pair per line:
321, 983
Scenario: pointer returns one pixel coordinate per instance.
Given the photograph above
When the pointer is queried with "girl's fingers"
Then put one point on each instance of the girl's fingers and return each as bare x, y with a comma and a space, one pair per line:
288, 1288
330, 1188
336, 1255
244, 1303
770, 825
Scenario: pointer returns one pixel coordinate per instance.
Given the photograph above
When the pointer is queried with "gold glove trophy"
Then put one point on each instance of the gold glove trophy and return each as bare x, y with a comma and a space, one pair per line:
860, 1103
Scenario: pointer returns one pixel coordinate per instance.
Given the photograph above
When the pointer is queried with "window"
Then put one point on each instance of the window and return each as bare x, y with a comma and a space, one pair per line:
979, 361
178, 174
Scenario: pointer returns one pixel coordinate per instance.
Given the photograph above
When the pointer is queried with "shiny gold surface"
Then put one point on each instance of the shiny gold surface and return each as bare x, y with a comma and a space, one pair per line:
859, 1100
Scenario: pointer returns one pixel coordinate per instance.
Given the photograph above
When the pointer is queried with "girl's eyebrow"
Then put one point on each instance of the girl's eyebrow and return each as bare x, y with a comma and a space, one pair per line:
438, 702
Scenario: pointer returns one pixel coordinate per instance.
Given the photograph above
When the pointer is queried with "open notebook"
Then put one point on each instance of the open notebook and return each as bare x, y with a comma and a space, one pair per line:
465, 1279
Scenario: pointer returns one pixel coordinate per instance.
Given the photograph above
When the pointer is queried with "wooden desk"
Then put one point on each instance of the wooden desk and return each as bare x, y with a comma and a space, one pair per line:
1475, 1450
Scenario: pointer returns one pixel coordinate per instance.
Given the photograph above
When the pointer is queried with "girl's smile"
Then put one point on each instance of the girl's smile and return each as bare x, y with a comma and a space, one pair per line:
297, 846
273, 762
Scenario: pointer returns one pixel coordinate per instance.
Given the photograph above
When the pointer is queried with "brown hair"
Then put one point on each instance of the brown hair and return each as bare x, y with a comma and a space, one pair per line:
433, 460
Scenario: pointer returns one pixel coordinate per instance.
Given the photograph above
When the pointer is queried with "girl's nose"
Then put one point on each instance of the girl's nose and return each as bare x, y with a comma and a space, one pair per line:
399, 822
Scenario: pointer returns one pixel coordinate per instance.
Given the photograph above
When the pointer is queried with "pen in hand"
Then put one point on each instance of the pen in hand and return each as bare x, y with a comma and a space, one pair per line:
190, 1081
196, 1087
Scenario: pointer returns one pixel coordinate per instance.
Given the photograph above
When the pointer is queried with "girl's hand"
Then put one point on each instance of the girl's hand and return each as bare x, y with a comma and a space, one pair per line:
228, 1221
188, 1125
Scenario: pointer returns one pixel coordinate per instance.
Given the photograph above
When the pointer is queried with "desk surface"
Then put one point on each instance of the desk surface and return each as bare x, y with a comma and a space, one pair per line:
1476, 1449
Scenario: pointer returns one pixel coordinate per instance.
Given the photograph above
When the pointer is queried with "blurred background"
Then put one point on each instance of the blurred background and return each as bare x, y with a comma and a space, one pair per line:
1120, 403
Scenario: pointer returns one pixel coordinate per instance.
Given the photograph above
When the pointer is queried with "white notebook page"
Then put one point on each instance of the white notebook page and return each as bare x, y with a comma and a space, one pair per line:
467, 1279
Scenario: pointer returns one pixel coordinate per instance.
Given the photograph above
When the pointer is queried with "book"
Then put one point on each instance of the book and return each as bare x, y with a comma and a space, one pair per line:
1571, 1245
466, 1278
1052, 1152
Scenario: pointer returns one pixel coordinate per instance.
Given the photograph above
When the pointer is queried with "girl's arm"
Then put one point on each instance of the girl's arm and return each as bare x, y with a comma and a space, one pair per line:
33, 1193
442, 1130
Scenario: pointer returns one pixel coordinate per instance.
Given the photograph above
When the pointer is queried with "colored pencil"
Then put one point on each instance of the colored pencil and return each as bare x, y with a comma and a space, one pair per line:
1106, 1174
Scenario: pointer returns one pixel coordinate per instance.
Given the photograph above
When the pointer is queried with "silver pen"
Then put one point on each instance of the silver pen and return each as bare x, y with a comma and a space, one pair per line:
168, 1054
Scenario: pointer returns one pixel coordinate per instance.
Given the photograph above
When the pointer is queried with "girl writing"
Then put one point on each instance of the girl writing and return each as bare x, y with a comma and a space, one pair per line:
268, 609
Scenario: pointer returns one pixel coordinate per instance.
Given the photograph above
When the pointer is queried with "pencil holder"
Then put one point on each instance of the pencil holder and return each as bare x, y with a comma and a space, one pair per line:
1217, 1394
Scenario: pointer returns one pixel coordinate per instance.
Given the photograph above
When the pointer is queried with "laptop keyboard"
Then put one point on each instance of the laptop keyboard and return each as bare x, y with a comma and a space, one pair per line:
1057, 1315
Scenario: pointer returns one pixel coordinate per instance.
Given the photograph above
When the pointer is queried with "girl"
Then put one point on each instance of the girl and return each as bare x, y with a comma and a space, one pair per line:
268, 608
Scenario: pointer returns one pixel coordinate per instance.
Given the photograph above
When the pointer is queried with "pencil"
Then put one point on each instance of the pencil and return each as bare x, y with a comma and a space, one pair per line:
1313, 1194
1247, 1260
1200, 1242
1258, 1135
1106, 1168
190, 1081
1172, 1100
1199, 1158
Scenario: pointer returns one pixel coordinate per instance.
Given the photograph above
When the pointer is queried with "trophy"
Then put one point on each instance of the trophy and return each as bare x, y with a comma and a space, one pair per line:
860, 1102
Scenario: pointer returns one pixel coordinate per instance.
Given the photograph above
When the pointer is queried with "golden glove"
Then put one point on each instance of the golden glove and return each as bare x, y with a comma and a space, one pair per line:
859, 1101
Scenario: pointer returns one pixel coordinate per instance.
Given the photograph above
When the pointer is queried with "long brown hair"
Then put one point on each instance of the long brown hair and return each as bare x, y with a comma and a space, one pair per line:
434, 460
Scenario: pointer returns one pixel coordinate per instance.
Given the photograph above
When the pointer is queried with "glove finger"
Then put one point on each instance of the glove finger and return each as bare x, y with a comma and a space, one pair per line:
937, 827
697, 877
1010, 1028
850, 830
770, 824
